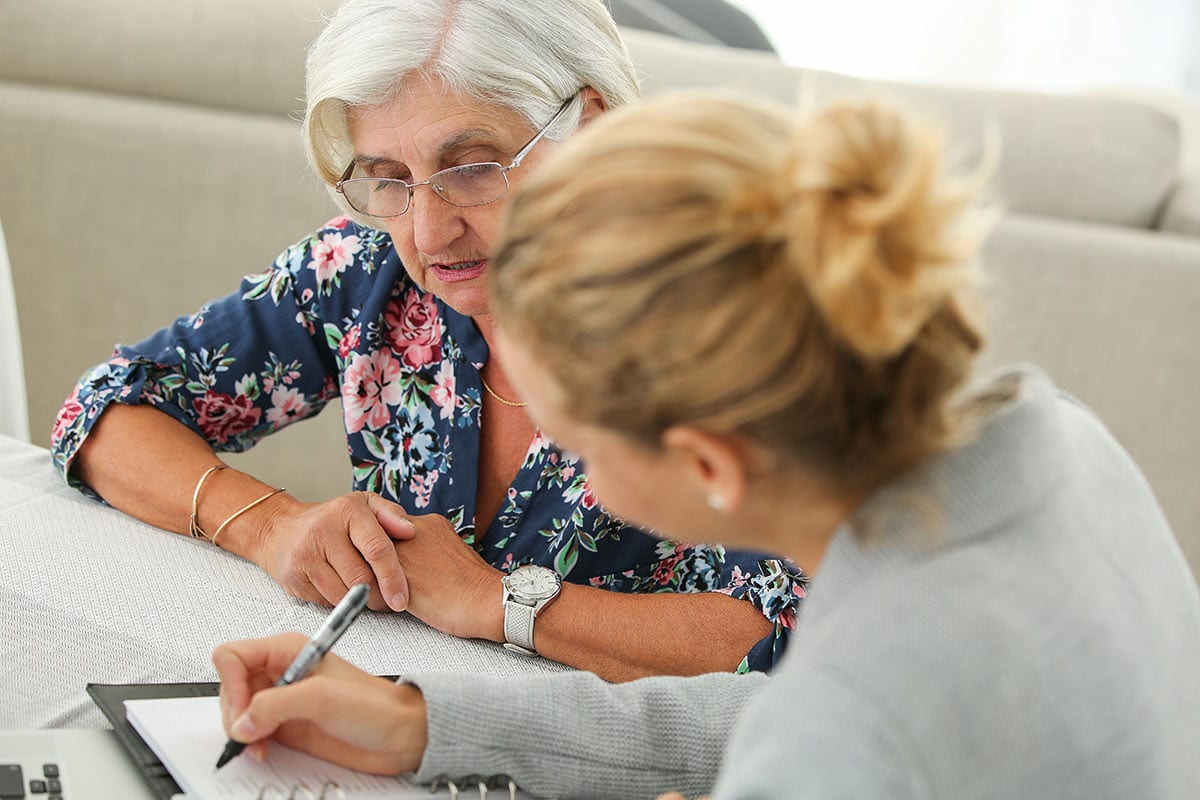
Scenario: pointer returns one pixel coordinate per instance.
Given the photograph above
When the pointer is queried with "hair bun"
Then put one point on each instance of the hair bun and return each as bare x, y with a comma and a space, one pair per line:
875, 230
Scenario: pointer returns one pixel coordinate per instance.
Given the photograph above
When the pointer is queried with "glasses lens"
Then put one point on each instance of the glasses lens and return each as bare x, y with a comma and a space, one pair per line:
376, 197
470, 184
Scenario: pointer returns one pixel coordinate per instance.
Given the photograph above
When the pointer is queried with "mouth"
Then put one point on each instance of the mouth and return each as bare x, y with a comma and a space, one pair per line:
459, 270
461, 265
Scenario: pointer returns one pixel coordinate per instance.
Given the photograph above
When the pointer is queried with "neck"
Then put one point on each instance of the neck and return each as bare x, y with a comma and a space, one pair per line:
797, 524
486, 324
493, 370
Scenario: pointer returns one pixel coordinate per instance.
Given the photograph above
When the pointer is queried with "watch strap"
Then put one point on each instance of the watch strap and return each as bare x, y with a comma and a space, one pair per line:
518, 627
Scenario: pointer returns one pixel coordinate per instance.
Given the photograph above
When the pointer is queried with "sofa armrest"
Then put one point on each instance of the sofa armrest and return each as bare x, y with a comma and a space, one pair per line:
1110, 313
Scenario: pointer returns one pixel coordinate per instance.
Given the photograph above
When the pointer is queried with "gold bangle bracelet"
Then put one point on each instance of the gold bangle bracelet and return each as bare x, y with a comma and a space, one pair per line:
243, 510
194, 521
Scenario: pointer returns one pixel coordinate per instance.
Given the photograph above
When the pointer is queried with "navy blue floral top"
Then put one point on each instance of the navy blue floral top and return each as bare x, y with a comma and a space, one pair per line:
336, 314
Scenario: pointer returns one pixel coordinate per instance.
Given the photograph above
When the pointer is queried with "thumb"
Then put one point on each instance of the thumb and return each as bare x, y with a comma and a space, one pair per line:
391, 518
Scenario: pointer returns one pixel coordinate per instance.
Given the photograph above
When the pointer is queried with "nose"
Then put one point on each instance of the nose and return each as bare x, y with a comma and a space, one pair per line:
435, 223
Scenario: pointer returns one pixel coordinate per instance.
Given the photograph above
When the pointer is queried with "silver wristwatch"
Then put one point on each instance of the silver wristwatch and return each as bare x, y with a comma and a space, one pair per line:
527, 592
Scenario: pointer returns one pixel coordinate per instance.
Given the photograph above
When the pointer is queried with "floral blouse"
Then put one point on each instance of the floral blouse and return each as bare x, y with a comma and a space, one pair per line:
337, 315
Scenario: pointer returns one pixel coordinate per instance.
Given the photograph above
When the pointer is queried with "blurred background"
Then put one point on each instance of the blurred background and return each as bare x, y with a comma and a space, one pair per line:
1043, 45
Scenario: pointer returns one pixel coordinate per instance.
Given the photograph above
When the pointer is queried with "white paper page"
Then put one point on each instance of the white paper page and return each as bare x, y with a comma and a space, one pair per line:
186, 734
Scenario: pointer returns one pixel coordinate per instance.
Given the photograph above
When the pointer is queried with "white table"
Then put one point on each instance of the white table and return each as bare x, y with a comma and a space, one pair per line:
89, 594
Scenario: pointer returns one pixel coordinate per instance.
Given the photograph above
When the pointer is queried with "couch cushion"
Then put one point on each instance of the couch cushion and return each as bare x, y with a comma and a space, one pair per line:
1095, 159
1111, 315
220, 53
123, 213
1182, 214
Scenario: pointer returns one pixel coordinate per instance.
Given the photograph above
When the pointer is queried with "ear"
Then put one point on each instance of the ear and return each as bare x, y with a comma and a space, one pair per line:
717, 464
593, 106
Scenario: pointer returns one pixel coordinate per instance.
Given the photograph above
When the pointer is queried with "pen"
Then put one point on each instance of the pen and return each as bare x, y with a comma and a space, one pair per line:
335, 625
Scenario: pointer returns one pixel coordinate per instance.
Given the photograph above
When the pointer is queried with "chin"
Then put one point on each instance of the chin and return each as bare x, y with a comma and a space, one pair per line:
470, 301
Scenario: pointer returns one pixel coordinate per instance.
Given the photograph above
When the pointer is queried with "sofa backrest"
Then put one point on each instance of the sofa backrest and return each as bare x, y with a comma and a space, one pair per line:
1077, 157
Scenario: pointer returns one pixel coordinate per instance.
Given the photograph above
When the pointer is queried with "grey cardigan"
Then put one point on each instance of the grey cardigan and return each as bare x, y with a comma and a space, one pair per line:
1038, 636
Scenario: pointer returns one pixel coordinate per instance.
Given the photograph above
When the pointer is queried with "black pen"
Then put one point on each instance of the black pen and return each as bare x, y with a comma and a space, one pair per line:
339, 620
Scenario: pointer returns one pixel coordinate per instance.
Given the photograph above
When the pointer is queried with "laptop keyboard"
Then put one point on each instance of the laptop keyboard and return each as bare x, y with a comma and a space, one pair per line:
31, 780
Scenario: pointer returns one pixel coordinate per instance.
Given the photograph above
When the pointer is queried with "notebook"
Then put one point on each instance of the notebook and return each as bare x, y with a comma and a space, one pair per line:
186, 735
111, 697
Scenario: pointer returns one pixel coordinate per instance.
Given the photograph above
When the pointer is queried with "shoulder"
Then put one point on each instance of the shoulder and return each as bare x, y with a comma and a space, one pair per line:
341, 259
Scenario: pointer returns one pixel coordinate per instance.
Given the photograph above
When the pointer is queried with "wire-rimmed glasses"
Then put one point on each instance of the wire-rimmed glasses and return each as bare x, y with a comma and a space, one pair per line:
464, 186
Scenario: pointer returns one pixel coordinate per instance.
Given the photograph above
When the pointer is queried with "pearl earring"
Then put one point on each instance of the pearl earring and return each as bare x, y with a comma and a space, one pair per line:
716, 501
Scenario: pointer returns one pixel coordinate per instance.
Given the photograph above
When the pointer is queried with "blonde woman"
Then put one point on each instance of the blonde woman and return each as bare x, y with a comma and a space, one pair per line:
774, 330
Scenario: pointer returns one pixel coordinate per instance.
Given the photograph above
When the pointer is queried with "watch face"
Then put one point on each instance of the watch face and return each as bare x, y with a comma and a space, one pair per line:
534, 583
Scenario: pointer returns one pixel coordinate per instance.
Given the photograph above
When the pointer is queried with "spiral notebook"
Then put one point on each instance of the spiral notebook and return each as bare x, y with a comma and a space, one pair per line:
187, 736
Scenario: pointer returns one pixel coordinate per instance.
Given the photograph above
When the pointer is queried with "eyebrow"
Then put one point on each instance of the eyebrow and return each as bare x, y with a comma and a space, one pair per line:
458, 140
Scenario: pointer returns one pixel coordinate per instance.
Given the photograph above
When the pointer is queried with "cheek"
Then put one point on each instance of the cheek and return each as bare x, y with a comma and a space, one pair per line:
483, 222
401, 232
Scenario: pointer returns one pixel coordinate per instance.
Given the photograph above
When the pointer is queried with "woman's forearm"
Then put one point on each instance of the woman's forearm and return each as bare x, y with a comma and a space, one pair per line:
626, 636
574, 735
147, 464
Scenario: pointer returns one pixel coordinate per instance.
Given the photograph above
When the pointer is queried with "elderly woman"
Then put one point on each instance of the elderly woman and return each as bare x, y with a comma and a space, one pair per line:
1002, 609
421, 116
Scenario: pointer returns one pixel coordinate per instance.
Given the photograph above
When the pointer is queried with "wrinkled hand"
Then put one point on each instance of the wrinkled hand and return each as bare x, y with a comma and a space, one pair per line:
338, 713
451, 587
316, 551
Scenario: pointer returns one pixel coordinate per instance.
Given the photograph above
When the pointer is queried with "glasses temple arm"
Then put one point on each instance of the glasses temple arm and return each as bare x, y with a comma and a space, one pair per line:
537, 137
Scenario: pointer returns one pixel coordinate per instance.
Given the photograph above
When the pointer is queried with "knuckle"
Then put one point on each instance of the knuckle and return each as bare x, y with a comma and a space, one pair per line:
377, 549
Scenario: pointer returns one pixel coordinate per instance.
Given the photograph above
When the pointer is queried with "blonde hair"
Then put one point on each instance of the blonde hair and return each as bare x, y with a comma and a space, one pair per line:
723, 264
527, 55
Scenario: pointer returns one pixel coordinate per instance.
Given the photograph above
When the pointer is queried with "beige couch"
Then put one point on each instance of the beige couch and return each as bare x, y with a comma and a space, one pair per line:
150, 156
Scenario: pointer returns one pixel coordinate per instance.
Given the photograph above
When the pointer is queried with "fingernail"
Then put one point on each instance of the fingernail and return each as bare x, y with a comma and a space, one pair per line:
398, 601
242, 728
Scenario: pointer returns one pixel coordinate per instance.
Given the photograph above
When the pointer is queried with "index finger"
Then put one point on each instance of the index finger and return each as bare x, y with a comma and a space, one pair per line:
379, 551
250, 665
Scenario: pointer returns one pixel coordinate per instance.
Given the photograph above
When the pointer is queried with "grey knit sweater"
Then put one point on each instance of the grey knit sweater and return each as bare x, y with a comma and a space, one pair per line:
1037, 637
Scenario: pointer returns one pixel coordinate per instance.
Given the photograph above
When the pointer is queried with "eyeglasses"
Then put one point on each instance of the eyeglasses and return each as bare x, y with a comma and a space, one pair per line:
464, 186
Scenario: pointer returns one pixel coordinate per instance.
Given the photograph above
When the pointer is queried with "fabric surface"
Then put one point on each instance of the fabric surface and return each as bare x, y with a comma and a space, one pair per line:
337, 314
575, 736
14, 416
1094, 159
89, 594
1112, 316
223, 54
1036, 635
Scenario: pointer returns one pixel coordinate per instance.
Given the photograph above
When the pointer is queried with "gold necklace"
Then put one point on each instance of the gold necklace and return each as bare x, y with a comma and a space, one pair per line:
492, 392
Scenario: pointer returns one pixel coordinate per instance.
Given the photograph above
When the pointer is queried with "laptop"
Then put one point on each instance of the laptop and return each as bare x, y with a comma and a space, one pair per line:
83, 765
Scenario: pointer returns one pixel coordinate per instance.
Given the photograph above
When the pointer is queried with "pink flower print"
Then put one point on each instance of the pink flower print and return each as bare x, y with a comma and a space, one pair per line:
287, 406
666, 568
422, 487
70, 411
332, 255
414, 329
589, 495
222, 416
349, 340
539, 442
371, 384
442, 393
338, 222
568, 472
788, 619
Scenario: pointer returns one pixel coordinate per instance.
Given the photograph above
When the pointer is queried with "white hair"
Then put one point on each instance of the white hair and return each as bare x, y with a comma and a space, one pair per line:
527, 55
